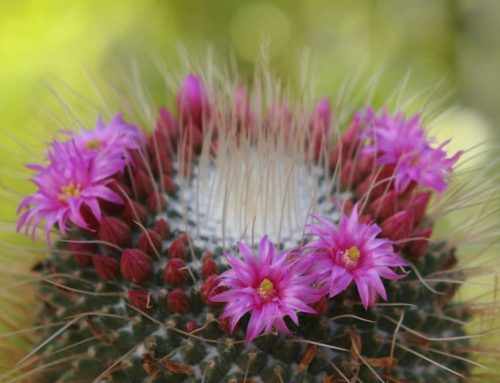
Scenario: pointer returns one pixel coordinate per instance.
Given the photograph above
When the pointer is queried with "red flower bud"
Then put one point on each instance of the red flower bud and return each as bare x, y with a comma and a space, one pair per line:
192, 326
206, 255
134, 211
377, 183
144, 185
115, 231
139, 160
140, 299
169, 185
364, 165
135, 265
179, 247
162, 228
106, 267
120, 188
177, 301
161, 162
209, 288
319, 126
150, 242
224, 324
418, 246
209, 267
348, 175
156, 203
321, 306
384, 206
166, 127
175, 273
82, 252
398, 226
417, 205
366, 219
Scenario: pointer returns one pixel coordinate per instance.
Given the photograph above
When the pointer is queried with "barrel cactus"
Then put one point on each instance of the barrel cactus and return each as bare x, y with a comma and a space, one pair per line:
245, 237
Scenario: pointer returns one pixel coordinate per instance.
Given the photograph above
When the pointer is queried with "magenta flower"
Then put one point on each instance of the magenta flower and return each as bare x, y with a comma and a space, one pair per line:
351, 252
69, 183
269, 286
401, 142
108, 145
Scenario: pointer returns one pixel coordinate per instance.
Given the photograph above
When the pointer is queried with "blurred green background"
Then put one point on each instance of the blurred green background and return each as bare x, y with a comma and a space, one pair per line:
454, 43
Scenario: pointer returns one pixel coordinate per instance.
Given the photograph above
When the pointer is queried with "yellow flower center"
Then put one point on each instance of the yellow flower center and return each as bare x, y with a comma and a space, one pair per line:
71, 190
266, 288
351, 256
94, 144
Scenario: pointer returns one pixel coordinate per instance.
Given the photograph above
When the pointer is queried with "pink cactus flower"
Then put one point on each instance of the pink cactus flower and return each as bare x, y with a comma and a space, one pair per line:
109, 145
396, 140
71, 182
351, 252
269, 286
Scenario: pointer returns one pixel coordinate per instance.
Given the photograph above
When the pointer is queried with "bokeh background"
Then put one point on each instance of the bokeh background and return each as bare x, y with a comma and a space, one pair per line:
450, 45
52, 51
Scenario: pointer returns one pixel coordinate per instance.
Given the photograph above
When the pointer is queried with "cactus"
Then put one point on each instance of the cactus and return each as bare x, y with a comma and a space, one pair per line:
160, 231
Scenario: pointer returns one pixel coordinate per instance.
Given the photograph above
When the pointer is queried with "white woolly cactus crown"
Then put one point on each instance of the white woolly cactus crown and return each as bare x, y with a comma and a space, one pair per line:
249, 237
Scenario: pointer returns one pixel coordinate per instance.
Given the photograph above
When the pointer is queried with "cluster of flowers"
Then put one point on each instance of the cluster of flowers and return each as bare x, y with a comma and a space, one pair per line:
77, 177
385, 159
393, 166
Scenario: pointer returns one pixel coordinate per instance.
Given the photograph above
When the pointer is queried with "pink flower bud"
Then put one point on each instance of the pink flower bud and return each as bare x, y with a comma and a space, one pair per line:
140, 299
135, 265
192, 100
398, 226
106, 267
115, 231
175, 273
177, 301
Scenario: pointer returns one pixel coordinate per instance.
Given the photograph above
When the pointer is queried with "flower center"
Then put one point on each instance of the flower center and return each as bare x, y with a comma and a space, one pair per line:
71, 190
351, 256
266, 289
94, 144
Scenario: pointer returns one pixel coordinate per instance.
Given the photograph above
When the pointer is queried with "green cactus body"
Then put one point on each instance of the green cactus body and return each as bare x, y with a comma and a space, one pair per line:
145, 314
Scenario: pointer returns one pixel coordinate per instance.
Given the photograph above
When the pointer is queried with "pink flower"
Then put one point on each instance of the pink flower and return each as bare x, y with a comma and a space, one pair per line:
108, 145
351, 252
69, 184
269, 286
402, 142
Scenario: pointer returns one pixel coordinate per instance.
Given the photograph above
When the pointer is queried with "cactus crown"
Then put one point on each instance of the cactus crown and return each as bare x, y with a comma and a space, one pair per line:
243, 239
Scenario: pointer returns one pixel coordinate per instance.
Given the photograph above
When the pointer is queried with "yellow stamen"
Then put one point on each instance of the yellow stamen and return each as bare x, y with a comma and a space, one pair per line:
353, 254
94, 145
266, 288
71, 190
